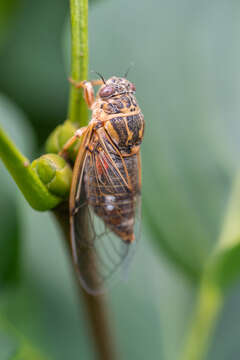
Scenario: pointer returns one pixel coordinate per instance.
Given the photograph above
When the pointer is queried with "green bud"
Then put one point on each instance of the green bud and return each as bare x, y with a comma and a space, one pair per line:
55, 173
60, 136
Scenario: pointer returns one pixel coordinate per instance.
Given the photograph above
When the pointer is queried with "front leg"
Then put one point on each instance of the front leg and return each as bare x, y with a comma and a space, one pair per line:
88, 92
78, 134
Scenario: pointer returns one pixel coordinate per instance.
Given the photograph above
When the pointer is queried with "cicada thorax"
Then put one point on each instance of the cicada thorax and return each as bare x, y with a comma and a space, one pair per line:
127, 127
112, 188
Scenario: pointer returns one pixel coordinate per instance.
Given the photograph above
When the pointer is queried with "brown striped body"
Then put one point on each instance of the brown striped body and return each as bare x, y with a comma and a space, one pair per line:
122, 133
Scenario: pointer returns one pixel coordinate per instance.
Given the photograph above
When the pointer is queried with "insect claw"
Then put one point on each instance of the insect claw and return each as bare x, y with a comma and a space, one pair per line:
78, 85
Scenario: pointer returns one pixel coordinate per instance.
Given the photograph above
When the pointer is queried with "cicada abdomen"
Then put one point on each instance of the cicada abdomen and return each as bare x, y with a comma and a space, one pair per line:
112, 187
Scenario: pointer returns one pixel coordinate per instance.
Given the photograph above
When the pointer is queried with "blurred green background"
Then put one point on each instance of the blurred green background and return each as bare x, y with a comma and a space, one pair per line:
186, 56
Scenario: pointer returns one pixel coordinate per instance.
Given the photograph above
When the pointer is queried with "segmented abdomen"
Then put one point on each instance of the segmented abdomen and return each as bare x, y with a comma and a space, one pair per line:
108, 192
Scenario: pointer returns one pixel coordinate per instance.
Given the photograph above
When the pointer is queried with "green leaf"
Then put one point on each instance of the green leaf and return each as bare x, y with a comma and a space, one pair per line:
220, 273
224, 265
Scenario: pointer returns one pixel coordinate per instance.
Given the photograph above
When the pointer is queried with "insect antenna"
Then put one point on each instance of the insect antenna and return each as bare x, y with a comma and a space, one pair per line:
128, 69
100, 75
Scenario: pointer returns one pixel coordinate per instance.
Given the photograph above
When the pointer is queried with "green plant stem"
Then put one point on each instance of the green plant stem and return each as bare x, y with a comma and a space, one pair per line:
209, 304
220, 272
25, 177
96, 308
78, 111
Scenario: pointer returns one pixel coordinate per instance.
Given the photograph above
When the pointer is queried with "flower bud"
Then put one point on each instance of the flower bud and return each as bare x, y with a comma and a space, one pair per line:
55, 173
60, 136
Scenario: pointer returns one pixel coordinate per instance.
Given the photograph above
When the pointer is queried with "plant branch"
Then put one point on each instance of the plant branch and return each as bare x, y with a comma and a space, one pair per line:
95, 305
25, 177
96, 308
78, 111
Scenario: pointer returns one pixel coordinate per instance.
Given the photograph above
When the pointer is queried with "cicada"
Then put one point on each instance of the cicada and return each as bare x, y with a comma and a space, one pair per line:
105, 196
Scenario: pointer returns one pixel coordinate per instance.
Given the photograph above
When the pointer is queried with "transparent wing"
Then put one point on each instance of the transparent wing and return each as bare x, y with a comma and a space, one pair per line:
99, 248
100, 255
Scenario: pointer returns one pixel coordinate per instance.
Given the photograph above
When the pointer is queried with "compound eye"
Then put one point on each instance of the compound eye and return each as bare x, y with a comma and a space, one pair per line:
133, 87
106, 91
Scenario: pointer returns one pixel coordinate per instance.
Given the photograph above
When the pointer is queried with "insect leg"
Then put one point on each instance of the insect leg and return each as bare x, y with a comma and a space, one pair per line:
88, 92
96, 82
78, 134
80, 84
